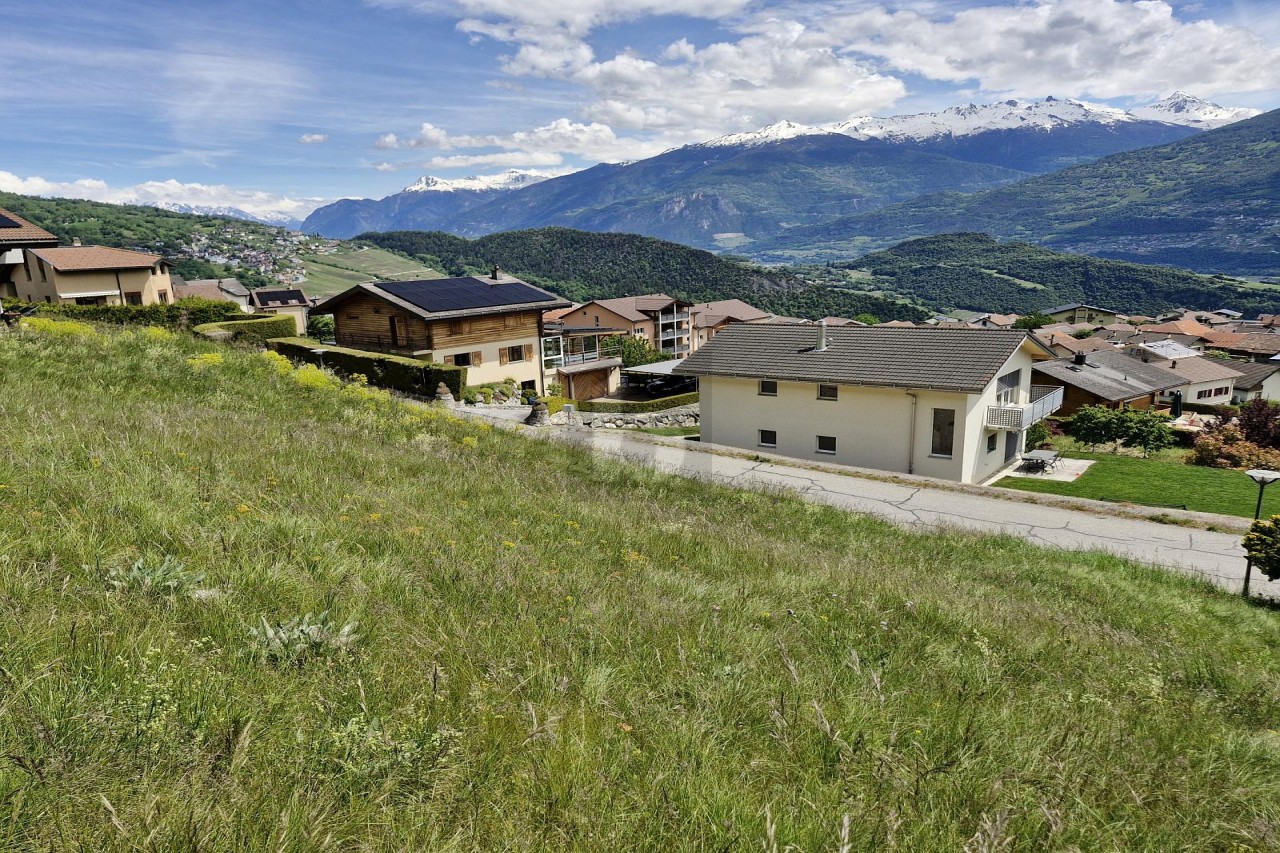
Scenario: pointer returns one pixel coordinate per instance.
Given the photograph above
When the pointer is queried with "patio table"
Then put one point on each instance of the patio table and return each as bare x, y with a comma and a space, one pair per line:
1040, 460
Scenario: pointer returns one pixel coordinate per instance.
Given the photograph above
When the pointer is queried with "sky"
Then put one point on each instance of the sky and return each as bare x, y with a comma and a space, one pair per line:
284, 105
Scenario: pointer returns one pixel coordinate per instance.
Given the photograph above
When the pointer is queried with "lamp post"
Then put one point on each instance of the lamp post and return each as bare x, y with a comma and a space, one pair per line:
1263, 478
320, 353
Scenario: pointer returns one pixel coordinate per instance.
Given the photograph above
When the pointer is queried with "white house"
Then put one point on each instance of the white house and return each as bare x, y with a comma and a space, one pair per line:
1257, 380
943, 402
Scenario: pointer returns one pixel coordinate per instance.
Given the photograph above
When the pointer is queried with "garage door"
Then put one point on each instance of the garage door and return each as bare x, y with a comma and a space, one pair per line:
587, 386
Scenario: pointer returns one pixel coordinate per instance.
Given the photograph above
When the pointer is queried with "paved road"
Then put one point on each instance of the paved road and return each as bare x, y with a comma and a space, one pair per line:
922, 503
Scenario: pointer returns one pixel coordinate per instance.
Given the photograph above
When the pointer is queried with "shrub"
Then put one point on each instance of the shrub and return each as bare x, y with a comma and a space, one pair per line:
555, 389
59, 328
1037, 434
183, 314
256, 330
1094, 425
629, 407
1226, 447
385, 371
1262, 544
205, 360
1146, 429
555, 403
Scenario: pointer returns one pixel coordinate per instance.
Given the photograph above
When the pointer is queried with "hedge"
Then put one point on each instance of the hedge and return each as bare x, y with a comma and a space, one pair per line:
258, 329
386, 371
183, 314
629, 407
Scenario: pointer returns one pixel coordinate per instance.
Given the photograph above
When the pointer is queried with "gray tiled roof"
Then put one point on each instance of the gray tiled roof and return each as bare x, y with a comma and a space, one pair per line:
952, 359
1252, 373
1112, 376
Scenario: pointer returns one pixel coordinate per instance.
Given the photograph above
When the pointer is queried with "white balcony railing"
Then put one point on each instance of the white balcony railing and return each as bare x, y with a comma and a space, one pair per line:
1045, 400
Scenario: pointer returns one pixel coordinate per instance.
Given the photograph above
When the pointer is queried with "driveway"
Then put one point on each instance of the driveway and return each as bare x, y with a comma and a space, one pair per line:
924, 503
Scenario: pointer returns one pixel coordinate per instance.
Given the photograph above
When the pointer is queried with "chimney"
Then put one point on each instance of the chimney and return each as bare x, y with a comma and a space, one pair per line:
75, 241
496, 274
1078, 360
822, 337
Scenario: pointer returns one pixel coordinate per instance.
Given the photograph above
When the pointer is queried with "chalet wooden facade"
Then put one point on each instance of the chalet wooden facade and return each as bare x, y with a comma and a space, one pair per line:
490, 325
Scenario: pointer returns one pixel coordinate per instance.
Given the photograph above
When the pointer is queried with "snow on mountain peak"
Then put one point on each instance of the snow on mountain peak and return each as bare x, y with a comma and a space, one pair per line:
773, 133
1187, 109
974, 118
508, 180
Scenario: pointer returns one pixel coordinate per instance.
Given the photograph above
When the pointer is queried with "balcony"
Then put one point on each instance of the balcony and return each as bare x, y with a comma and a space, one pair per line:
1045, 400
403, 345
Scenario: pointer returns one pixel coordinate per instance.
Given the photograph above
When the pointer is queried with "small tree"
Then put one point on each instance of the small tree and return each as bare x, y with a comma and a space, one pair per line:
1146, 429
869, 319
633, 351
1033, 321
1260, 422
1262, 544
1094, 425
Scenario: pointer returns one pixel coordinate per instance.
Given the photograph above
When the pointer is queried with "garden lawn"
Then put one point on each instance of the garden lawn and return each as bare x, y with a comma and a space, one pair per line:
525, 647
1156, 483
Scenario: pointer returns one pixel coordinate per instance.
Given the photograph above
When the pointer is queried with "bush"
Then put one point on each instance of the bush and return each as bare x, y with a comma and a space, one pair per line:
258, 329
385, 371
1262, 544
1037, 435
183, 314
628, 407
1227, 447
555, 403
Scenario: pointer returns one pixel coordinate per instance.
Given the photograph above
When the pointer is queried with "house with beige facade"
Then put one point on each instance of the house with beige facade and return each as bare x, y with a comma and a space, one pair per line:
711, 317
665, 322
491, 325
91, 275
17, 235
287, 301
953, 403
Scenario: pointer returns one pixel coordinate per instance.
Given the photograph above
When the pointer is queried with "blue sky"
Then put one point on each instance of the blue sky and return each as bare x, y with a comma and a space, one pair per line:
283, 104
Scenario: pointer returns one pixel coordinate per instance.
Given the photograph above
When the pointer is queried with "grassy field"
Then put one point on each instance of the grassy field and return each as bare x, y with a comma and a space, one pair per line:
526, 647
330, 274
1157, 482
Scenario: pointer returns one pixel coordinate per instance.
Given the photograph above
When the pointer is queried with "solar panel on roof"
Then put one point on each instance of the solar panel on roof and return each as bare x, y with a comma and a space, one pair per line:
460, 294
6, 222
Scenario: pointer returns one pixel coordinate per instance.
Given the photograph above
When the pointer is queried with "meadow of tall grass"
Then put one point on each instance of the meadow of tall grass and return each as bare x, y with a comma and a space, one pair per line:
246, 606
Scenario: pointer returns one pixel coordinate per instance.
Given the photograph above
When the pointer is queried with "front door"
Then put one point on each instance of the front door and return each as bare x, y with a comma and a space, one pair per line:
1011, 442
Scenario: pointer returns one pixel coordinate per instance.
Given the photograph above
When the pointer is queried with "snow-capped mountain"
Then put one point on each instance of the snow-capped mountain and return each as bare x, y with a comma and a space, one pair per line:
277, 218
773, 133
1013, 114
1185, 109
511, 179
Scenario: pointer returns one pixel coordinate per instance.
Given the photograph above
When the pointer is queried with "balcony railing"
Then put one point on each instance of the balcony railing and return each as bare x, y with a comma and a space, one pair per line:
1045, 400
383, 343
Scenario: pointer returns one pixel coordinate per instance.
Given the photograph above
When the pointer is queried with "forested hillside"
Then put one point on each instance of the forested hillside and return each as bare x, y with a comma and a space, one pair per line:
1209, 203
582, 265
974, 271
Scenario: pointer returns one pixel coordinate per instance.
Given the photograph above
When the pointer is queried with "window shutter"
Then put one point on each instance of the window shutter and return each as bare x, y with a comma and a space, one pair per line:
528, 352
502, 355
476, 359
448, 359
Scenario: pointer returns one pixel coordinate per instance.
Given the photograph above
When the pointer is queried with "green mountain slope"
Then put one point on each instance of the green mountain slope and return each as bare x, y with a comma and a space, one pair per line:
556, 651
974, 271
1209, 202
583, 265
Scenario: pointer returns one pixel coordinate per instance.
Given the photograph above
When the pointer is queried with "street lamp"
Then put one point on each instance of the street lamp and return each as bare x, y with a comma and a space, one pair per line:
320, 353
1263, 478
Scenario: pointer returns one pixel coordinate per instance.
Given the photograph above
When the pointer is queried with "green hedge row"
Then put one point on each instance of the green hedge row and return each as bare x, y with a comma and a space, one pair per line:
629, 407
183, 314
257, 329
386, 371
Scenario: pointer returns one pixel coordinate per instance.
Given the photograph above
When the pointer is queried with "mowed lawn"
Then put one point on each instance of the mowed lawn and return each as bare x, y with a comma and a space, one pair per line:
1156, 483
526, 647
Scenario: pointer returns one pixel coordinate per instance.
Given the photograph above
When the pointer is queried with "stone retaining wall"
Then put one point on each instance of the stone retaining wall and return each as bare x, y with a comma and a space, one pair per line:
680, 416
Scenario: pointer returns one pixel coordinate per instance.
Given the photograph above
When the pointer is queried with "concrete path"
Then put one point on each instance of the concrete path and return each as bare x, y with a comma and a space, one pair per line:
924, 503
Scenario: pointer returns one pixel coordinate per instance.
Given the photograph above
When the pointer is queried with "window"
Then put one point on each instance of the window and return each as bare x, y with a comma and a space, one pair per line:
768, 438
133, 298
462, 359
515, 353
944, 432
768, 388
164, 297
828, 392
991, 443
826, 444
1007, 388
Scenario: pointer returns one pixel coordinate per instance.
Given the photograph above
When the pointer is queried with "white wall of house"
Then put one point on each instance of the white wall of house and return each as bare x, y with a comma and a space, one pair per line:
871, 426
1215, 393
1270, 391
297, 312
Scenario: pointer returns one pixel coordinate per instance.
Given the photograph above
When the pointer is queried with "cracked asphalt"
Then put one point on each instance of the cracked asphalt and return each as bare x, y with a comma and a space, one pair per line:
1217, 557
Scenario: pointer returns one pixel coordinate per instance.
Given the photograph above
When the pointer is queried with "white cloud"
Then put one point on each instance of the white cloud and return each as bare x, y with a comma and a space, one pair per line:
507, 159
1079, 48
155, 192
313, 138
210, 94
